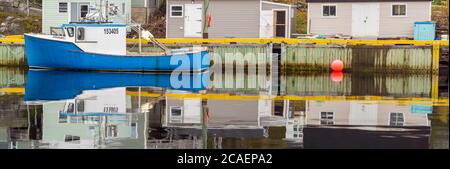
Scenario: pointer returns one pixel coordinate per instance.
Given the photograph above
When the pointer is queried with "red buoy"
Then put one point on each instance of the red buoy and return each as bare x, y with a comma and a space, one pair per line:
337, 76
337, 65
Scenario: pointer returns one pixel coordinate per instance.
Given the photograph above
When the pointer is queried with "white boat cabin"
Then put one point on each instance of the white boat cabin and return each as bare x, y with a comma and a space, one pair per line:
104, 38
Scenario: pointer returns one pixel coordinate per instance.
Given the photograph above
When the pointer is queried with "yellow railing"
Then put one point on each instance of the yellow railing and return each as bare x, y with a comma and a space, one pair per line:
294, 41
19, 39
9, 40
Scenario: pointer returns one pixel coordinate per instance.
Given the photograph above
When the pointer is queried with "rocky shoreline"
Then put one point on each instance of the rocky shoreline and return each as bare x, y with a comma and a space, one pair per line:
14, 19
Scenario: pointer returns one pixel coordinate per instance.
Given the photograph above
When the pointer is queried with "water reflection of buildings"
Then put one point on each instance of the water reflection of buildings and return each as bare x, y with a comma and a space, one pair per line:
235, 119
311, 124
366, 113
224, 119
89, 120
366, 124
117, 118
162, 118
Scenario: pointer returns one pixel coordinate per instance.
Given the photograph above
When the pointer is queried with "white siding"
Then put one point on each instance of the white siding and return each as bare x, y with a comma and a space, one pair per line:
230, 18
402, 26
390, 27
52, 18
290, 14
341, 24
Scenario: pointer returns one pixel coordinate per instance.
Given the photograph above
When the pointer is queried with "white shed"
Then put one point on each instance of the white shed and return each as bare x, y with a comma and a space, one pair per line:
58, 12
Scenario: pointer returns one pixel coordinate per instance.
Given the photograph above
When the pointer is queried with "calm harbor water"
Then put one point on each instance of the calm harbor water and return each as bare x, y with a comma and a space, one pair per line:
65, 109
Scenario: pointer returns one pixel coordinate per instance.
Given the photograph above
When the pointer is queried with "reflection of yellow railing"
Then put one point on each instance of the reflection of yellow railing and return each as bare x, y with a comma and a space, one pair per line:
381, 99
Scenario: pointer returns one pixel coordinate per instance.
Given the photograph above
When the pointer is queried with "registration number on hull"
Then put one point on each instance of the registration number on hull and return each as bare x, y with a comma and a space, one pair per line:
109, 31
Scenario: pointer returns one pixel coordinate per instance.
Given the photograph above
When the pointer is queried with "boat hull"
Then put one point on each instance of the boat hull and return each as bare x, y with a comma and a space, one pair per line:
55, 54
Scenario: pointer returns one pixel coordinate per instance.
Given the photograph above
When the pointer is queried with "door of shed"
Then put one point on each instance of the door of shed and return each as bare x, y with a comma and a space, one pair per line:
193, 21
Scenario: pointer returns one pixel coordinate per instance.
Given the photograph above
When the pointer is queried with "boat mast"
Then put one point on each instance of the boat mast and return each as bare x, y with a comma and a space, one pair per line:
140, 38
106, 7
100, 11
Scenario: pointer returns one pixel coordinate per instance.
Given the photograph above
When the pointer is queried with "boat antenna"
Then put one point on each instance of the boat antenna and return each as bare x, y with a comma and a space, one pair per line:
101, 11
107, 6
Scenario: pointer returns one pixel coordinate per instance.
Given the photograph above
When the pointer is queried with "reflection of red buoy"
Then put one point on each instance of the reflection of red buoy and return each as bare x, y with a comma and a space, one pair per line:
337, 65
337, 76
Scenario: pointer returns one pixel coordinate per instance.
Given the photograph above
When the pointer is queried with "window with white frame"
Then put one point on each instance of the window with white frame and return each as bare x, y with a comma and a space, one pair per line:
62, 7
176, 11
329, 10
112, 131
398, 9
84, 10
176, 114
72, 139
326, 118
396, 119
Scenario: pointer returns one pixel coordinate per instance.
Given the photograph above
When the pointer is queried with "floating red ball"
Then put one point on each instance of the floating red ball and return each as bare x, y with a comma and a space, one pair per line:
337, 65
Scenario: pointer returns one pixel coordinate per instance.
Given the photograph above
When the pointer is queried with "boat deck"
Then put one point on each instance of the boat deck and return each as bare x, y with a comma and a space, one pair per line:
145, 53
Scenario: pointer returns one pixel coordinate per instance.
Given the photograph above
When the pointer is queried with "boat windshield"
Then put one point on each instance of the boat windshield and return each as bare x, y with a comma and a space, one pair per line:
70, 31
57, 31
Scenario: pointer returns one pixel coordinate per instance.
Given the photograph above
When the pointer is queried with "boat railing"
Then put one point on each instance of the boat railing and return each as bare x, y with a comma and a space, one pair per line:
138, 28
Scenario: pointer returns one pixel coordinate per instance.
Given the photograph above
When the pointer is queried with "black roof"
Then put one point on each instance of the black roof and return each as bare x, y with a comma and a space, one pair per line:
325, 1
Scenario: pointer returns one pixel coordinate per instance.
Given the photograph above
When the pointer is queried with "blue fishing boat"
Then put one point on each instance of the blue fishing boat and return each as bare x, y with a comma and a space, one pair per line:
102, 46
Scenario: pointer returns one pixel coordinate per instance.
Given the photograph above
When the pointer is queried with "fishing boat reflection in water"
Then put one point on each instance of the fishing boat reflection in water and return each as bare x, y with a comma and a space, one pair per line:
92, 109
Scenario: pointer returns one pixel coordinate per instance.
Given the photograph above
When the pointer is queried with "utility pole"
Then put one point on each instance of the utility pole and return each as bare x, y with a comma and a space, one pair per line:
28, 7
205, 18
205, 120
446, 10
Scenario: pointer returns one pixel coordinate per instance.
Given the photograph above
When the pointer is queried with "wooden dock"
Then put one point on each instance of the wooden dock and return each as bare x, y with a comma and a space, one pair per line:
296, 54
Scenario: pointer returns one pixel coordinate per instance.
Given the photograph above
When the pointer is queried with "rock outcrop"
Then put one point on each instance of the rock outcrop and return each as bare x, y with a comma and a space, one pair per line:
14, 25
20, 7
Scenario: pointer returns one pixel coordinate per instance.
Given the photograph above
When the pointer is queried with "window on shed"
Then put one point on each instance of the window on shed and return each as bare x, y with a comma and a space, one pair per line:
399, 10
62, 7
176, 113
71, 138
176, 11
280, 27
326, 118
329, 10
396, 119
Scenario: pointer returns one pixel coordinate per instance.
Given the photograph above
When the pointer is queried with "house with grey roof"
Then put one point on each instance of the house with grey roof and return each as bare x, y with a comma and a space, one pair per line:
367, 18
